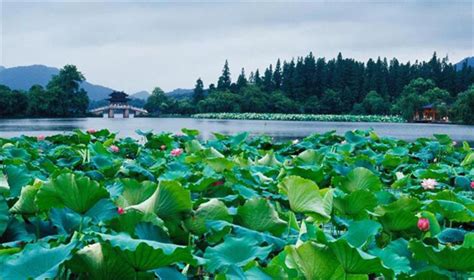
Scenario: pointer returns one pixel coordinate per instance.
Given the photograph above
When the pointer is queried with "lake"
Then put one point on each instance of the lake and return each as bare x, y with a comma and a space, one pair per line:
280, 130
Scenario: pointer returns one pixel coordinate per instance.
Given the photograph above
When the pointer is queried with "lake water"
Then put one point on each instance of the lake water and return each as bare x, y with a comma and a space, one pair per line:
281, 130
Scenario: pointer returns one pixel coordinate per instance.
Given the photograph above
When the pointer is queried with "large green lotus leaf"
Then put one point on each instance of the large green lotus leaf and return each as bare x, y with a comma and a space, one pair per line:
128, 221
17, 177
135, 192
304, 197
243, 232
26, 203
457, 258
220, 164
67, 221
452, 211
169, 199
269, 160
355, 261
4, 217
144, 254
77, 193
236, 251
37, 261
394, 256
361, 232
398, 220
212, 210
99, 261
258, 214
361, 178
468, 160
106, 165
356, 204
399, 215
430, 274
313, 261
451, 235
193, 146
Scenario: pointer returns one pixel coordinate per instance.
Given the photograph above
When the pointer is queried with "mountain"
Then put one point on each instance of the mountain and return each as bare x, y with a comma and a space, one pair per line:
180, 93
469, 60
23, 77
140, 95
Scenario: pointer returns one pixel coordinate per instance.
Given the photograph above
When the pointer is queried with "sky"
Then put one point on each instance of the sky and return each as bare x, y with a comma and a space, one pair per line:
135, 46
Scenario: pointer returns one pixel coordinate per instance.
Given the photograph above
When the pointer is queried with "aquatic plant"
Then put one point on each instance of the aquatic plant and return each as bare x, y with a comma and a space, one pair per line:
325, 207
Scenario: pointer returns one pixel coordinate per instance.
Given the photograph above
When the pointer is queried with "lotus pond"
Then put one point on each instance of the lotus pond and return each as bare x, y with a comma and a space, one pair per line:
88, 205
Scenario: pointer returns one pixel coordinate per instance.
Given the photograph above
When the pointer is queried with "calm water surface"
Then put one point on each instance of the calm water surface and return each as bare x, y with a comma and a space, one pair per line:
281, 130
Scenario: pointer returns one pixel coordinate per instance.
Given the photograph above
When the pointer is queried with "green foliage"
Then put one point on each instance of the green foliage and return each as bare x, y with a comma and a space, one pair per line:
462, 110
62, 97
327, 207
157, 103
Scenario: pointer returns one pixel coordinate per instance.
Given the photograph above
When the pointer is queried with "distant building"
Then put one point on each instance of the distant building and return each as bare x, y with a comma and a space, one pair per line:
118, 102
429, 113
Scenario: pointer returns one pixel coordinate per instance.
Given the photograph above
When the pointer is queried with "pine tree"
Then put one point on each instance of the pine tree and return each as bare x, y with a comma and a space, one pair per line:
224, 81
277, 75
242, 80
268, 79
198, 91
258, 79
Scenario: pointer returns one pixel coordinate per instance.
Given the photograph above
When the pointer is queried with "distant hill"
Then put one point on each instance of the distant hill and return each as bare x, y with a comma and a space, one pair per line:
470, 62
23, 77
181, 93
140, 95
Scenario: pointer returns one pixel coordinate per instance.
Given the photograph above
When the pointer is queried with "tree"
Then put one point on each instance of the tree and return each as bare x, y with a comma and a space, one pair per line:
277, 75
373, 104
12, 102
462, 109
224, 81
198, 91
268, 79
412, 99
331, 102
242, 80
66, 98
157, 103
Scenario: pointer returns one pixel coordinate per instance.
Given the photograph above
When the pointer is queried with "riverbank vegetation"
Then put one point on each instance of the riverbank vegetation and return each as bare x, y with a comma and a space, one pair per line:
62, 97
309, 85
300, 117
87, 205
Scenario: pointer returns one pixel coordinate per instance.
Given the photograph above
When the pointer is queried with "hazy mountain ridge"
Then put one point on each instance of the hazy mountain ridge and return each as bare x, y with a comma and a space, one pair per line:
24, 77
470, 62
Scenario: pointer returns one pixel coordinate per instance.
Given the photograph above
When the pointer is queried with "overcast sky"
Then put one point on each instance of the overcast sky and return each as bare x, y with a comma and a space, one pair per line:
137, 46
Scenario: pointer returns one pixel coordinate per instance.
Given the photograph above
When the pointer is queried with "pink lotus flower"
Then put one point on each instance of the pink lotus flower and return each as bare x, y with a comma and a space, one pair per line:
472, 185
114, 149
423, 224
120, 210
429, 184
91, 131
218, 183
40, 137
176, 152
163, 147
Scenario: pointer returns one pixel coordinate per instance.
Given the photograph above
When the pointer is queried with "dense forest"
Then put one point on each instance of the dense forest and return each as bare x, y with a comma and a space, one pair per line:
336, 86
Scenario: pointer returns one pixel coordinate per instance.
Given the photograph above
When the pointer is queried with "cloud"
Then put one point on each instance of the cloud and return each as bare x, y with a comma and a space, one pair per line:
134, 46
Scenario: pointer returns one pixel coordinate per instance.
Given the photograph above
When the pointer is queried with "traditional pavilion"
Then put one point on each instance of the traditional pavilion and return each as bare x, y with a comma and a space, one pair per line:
429, 114
118, 101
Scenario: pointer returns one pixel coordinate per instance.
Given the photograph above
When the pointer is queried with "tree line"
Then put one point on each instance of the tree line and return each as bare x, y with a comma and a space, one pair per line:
337, 86
62, 97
